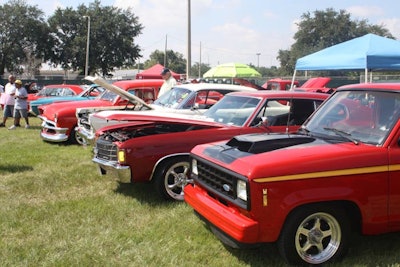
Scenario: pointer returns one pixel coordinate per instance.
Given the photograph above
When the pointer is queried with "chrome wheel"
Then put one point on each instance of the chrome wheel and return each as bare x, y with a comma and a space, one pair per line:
315, 234
175, 179
171, 177
318, 238
78, 139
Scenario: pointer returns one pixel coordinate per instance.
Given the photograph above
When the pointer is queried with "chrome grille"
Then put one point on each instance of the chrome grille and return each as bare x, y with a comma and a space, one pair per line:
105, 150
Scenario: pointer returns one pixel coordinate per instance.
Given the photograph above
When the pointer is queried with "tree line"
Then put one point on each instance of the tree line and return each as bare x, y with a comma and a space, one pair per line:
28, 39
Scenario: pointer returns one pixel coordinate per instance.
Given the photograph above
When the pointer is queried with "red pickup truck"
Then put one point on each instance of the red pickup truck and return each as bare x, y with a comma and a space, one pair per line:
307, 191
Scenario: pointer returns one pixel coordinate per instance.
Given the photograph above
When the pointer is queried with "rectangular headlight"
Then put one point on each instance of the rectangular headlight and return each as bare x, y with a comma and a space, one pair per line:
241, 190
121, 156
194, 167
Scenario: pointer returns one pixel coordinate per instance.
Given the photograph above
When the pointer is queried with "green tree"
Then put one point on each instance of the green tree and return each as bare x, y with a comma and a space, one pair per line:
23, 36
112, 35
323, 29
174, 60
195, 69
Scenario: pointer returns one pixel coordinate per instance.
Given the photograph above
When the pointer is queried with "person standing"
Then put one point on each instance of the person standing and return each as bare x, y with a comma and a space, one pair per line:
9, 92
21, 105
2, 96
169, 81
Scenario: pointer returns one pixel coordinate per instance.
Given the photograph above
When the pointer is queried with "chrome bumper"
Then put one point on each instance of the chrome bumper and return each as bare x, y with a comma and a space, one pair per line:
51, 133
122, 173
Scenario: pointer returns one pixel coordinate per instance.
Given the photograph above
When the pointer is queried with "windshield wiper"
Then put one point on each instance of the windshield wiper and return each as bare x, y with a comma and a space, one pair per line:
304, 130
342, 134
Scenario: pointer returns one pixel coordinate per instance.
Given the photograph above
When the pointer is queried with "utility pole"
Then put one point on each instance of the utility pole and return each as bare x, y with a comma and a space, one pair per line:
87, 47
200, 63
165, 51
258, 60
189, 44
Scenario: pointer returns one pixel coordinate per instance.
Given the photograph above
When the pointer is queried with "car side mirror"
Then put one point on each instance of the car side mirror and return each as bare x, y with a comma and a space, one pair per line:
264, 121
196, 106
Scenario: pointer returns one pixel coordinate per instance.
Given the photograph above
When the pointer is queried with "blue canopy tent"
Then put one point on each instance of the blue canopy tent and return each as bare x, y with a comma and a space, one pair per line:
368, 52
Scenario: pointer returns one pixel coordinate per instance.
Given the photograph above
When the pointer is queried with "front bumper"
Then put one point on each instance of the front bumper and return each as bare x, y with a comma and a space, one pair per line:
122, 173
50, 132
231, 227
87, 136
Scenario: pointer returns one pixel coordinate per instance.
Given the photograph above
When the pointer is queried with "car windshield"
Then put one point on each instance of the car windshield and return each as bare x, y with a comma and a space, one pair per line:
232, 110
173, 98
92, 91
108, 96
357, 116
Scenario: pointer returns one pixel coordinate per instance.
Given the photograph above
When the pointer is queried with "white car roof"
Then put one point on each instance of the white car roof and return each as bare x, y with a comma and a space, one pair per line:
216, 86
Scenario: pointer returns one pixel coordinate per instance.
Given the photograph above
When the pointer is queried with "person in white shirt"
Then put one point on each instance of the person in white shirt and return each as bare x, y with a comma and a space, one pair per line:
9, 92
21, 105
169, 81
2, 96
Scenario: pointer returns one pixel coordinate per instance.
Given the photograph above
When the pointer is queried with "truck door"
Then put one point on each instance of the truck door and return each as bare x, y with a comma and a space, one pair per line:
394, 180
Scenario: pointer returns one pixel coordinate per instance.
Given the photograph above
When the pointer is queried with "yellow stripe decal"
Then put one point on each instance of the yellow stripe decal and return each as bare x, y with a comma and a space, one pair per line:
312, 175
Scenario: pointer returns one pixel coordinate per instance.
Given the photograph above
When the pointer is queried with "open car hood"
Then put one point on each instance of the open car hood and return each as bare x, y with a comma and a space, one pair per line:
124, 94
317, 82
144, 118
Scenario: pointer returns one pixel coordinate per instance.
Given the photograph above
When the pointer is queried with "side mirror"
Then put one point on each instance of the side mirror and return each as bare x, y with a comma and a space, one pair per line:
196, 106
263, 121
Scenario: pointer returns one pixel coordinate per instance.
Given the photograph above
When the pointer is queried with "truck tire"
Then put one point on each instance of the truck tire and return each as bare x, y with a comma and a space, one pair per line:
314, 235
172, 177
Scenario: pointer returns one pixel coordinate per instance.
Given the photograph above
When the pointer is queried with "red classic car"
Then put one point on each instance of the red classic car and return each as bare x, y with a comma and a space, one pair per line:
307, 191
156, 147
59, 119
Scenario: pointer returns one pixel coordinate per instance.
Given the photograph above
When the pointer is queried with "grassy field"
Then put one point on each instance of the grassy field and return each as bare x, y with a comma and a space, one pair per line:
55, 210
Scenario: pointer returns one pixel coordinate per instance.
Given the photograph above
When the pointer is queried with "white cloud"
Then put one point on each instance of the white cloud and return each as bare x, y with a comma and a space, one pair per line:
393, 25
365, 11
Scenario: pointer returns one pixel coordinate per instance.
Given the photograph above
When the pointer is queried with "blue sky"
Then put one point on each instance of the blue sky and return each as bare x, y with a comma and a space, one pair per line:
232, 30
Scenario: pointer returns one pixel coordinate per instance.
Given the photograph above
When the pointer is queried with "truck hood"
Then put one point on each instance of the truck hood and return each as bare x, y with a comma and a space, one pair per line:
259, 156
124, 94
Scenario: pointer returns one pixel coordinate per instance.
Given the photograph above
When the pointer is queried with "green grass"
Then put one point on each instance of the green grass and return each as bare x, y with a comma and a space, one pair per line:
56, 210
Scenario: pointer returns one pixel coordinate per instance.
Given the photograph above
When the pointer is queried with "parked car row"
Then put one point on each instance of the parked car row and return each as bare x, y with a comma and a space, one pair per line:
300, 168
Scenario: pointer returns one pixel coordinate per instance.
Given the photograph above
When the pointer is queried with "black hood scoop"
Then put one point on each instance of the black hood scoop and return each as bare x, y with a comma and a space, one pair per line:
245, 145
261, 143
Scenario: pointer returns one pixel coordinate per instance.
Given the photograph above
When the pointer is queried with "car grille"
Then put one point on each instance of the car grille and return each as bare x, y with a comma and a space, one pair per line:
105, 150
219, 182
83, 121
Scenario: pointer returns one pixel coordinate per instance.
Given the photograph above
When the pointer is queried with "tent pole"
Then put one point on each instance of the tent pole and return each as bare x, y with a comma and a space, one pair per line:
294, 75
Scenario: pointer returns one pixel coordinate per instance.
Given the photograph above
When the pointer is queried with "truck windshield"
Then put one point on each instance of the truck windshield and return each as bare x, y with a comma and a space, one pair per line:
362, 116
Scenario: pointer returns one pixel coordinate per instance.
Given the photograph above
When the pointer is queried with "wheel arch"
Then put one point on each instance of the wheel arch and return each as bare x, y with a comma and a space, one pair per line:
350, 209
159, 164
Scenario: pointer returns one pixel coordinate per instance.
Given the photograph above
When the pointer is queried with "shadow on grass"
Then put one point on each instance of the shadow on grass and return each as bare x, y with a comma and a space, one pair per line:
35, 127
143, 192
266, 254
379, 250
14, 168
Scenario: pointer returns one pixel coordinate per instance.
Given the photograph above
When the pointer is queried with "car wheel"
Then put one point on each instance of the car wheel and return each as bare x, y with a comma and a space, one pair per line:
75, 138
172, 177
314, 235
